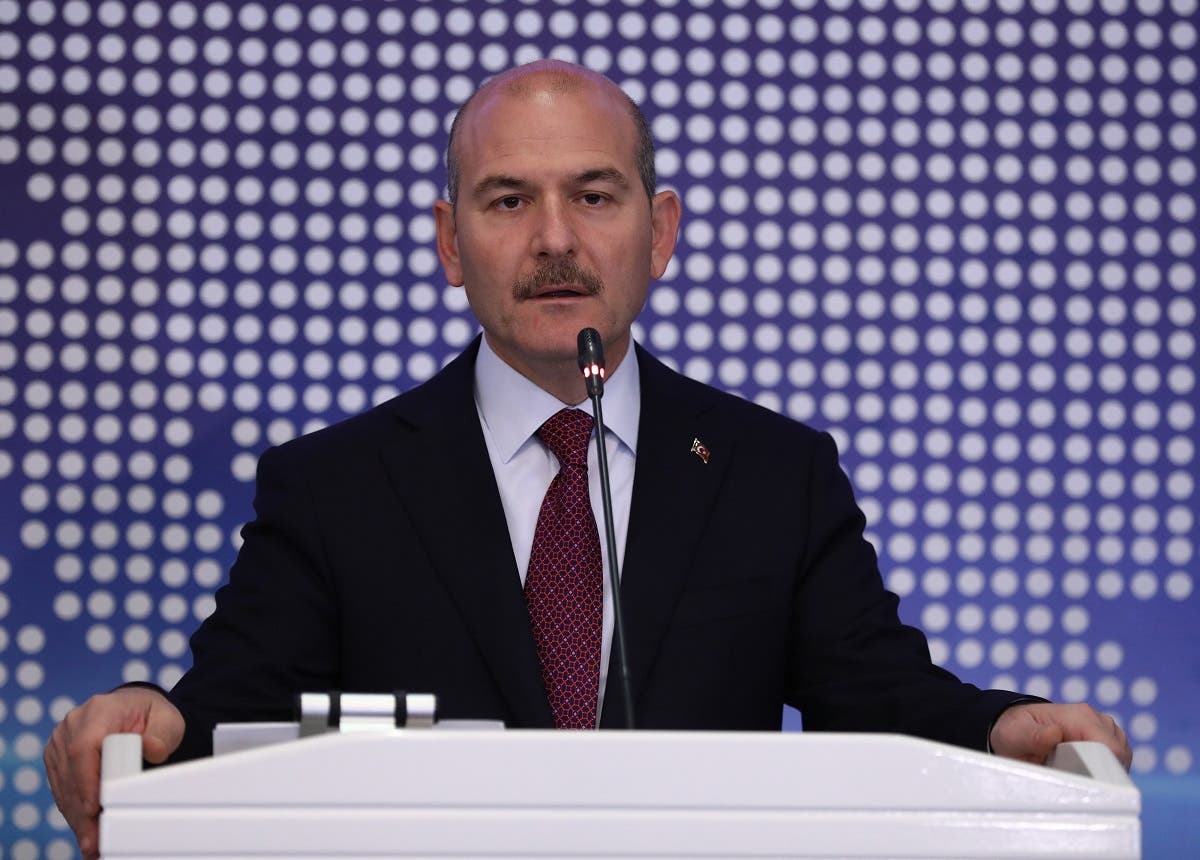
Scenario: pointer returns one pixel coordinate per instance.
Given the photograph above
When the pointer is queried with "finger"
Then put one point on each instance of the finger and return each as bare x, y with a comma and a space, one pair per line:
1083, 723
1120, 745
59, 773
50, 759
84, 826
1105, 729
87, 834
82, 757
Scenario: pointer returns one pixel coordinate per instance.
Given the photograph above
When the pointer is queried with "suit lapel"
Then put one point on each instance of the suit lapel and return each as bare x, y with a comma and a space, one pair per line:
674, 491
440, 469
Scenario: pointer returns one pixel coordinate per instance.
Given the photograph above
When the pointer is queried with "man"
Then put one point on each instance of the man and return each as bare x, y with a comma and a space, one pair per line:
405, 548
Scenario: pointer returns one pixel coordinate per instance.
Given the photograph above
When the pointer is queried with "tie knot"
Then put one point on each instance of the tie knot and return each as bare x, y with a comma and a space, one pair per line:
566, 433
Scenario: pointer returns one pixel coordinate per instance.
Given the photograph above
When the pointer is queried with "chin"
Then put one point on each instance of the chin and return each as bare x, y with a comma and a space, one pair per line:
562, 335
556, 349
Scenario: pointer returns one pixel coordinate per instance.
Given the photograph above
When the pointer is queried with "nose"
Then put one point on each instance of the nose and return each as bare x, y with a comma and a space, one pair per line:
554, 235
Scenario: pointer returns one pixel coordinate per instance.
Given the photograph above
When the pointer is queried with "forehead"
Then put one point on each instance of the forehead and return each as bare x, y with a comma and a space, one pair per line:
545, 122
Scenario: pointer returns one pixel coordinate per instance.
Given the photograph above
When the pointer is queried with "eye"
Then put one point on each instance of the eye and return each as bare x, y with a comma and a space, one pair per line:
511, 202
593, 198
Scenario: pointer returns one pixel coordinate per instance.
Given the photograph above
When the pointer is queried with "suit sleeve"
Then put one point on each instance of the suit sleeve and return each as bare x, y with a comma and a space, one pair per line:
275, 627
855, 666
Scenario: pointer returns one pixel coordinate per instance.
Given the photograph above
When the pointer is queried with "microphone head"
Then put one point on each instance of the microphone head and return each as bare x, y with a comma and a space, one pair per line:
591, 350
591, 360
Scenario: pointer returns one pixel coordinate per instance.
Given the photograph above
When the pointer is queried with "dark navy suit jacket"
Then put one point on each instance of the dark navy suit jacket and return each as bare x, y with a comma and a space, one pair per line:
379, 559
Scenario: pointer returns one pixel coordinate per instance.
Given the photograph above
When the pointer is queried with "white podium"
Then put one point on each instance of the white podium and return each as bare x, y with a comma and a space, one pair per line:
519, 794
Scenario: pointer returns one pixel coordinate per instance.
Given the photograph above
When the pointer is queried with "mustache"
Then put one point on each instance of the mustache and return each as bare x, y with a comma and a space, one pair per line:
553, 272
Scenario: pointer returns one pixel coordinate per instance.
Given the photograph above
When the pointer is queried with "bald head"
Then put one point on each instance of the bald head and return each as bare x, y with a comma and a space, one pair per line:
556, 78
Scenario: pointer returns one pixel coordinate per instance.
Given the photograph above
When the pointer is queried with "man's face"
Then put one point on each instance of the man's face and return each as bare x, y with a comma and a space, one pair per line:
553, 231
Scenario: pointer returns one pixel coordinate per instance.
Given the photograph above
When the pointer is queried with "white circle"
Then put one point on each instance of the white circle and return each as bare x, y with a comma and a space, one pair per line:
1038, 654
1178, 760
1143, 691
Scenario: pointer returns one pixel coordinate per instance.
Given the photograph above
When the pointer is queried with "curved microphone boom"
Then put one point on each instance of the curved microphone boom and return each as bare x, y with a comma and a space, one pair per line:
591, 363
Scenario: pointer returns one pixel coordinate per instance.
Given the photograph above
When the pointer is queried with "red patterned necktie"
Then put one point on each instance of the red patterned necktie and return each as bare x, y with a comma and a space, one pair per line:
563, 589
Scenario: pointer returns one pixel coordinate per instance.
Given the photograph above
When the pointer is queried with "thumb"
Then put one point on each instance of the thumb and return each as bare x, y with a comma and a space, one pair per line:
163, 733
1044, 738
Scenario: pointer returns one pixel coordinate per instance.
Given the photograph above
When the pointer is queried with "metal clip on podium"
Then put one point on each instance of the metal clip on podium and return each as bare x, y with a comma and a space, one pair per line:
349, 712
360, 787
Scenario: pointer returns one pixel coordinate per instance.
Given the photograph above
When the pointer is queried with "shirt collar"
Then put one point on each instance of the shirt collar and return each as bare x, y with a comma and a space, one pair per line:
513, 407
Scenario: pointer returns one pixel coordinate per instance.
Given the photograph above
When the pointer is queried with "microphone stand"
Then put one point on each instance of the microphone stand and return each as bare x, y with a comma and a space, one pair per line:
591, 362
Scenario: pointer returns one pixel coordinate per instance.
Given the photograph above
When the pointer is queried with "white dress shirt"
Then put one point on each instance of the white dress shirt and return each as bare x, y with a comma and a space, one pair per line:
511, 409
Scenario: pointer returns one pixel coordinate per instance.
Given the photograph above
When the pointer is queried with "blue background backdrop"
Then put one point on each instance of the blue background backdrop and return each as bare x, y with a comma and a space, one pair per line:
959, 234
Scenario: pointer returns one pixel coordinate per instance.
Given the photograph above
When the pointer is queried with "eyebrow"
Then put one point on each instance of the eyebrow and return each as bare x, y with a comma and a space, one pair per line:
501, 181
496, 182
601, 174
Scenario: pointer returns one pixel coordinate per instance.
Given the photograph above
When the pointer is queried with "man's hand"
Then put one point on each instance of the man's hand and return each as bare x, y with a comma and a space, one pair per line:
1031, 731
72, 756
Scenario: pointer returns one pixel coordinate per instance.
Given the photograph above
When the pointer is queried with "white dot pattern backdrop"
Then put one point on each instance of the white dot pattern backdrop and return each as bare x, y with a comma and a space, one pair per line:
958, 234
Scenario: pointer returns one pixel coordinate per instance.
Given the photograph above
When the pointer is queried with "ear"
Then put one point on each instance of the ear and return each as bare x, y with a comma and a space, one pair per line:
665, 214
447, 242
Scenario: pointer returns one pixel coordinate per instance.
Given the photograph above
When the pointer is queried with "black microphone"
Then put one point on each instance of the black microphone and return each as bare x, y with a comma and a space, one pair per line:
591, 363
